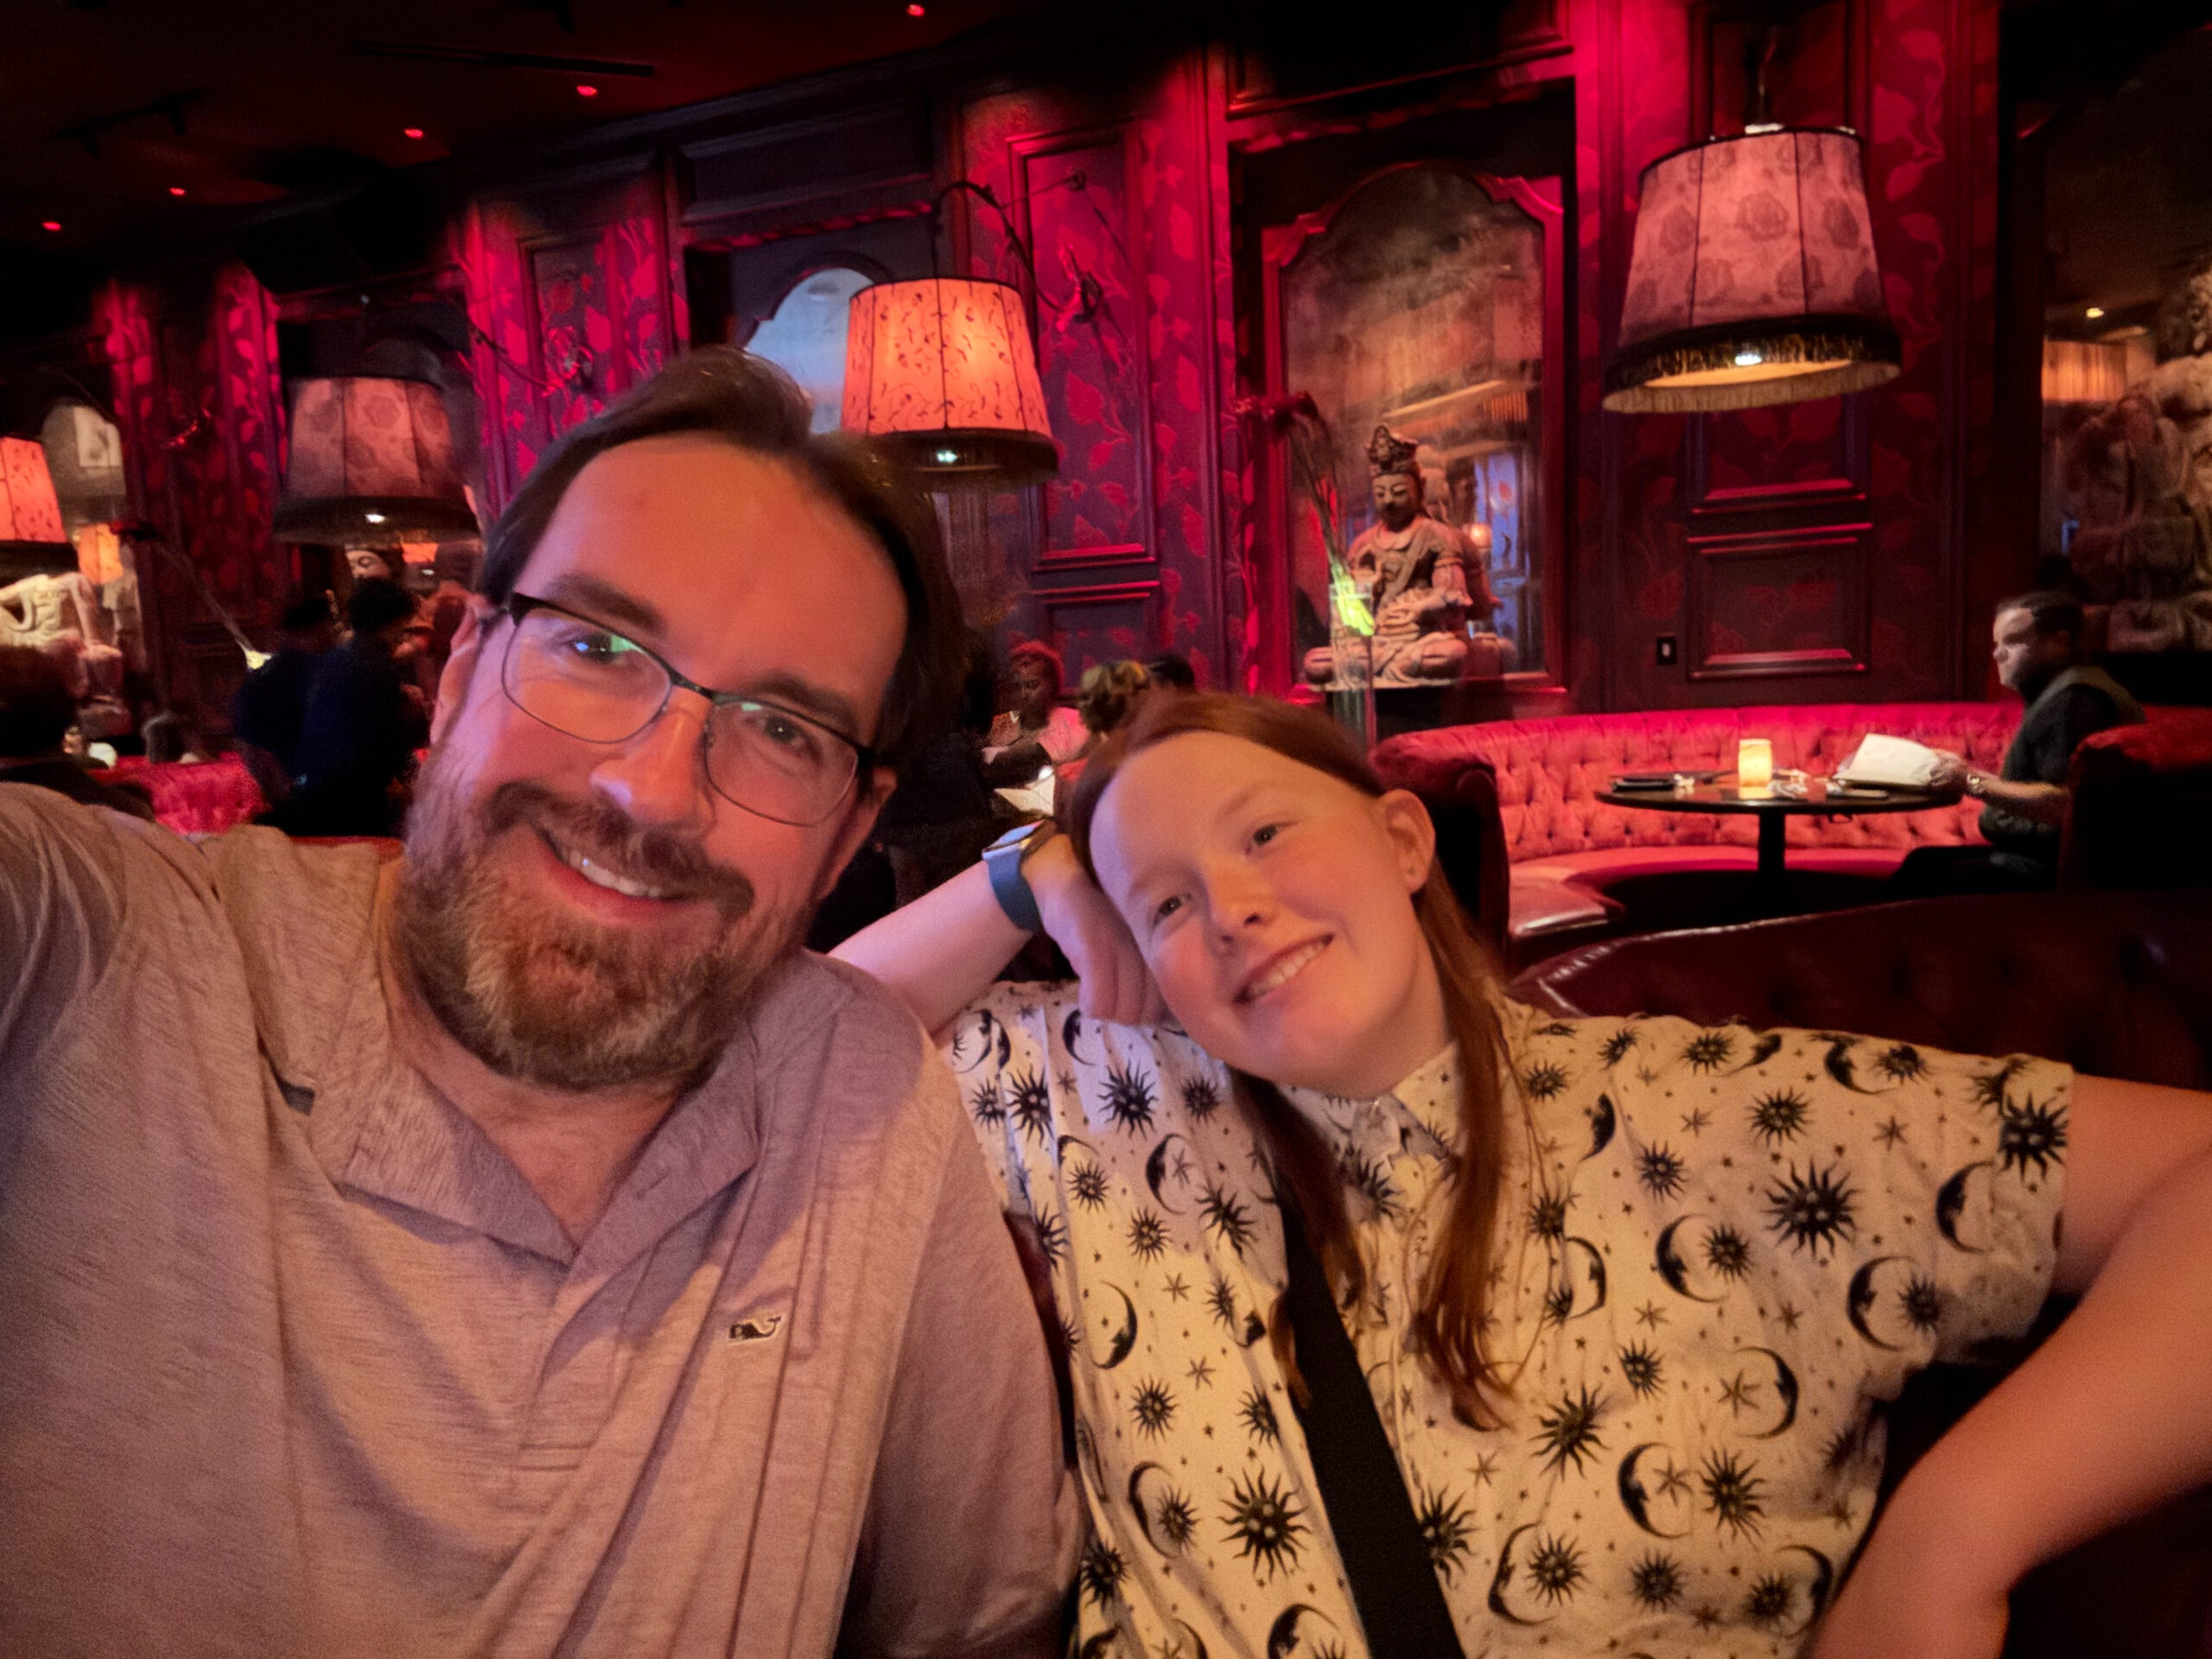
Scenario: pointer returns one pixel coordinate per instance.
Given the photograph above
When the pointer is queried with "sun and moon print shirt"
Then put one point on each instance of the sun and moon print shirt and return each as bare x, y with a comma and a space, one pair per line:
1720, 1249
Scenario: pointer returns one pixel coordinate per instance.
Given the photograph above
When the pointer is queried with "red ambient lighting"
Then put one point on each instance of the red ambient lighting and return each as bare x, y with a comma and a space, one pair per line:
49, 224
585, 89
916, 9
176, 189
410, 132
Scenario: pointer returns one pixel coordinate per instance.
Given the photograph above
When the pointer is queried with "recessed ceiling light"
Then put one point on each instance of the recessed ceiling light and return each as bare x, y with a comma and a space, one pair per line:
916, 9
2095, 312
49, 224
176, 189
410, 132
585, 89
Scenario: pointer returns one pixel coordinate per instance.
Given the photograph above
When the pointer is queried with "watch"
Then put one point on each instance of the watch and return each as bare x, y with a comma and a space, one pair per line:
1976, 784
1003, 859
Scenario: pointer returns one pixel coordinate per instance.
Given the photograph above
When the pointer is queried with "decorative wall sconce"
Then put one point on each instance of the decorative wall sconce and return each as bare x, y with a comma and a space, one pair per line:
944, 370
371, 466
1753, 279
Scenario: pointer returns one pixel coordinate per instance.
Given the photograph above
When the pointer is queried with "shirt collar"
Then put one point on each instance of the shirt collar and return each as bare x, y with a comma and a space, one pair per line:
1420, 1115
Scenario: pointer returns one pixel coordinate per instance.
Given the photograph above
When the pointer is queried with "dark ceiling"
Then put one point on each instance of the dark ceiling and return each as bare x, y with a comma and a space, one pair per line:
110, 108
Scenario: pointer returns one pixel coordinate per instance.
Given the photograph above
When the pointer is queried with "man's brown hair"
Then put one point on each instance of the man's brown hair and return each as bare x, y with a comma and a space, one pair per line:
719, 391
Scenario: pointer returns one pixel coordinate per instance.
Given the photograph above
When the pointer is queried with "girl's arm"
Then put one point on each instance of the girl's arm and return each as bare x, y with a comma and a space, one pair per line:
941, 952
2109, 1417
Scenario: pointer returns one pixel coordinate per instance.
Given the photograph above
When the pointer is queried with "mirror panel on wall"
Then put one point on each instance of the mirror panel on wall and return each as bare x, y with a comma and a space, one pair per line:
2124, 508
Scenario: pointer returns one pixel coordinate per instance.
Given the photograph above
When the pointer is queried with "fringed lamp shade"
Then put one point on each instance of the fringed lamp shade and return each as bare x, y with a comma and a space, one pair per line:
1753, 280
29, 512
943, 371
371, 466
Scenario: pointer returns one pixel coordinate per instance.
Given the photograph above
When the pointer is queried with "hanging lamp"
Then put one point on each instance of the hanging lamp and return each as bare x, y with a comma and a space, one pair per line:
371, 466
944, 370
29, 510
1753, 279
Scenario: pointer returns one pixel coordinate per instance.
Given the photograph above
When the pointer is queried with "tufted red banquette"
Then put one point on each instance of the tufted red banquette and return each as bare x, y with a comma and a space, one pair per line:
201, 797
1564, 844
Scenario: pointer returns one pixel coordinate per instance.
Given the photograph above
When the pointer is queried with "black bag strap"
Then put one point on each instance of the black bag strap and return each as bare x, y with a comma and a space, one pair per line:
1385, 1555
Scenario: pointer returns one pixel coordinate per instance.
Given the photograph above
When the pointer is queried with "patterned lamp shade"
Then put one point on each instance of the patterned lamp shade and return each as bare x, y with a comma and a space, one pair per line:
29, 509
1754, 278
371, 466
942, 370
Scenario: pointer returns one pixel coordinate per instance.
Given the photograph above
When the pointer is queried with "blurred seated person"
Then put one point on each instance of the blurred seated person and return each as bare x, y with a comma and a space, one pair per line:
271, 706
1172, 670
2038, 647
36, 711
1107, 698
937, 822
365, 720
1038, 731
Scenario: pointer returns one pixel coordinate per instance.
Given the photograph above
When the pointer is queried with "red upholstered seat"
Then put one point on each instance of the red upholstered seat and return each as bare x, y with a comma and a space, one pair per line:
197, 798
1564, 844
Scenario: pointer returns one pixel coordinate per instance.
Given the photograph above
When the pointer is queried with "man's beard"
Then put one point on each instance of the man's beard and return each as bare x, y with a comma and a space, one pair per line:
554, 999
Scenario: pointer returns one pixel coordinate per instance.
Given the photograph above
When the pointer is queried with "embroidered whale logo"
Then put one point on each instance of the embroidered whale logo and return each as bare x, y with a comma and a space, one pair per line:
757, 1329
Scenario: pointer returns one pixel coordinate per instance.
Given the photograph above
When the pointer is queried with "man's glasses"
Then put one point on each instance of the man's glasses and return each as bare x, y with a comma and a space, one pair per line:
587, 681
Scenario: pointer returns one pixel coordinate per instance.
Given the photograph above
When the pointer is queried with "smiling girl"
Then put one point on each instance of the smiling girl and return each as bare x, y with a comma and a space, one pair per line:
1623, 1293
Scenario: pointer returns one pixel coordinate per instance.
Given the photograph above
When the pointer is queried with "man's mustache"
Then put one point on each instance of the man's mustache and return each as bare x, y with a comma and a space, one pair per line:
602, 832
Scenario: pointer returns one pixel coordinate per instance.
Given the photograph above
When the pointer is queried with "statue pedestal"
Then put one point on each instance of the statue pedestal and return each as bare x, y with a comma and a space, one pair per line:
1417, 708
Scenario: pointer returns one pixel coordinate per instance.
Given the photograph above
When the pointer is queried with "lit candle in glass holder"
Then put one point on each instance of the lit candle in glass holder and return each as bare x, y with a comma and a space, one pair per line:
1754, 766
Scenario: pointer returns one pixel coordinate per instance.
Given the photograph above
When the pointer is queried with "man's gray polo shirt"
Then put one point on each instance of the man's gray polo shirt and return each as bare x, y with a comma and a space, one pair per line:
293, 1360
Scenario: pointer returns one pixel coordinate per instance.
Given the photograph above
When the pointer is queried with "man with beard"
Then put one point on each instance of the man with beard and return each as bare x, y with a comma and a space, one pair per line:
2038, 644
519, 1247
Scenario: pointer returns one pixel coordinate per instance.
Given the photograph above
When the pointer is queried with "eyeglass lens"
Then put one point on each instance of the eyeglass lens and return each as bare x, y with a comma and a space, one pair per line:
593, 684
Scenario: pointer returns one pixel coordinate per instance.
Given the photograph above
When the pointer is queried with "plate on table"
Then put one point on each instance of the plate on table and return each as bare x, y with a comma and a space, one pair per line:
1633, 780
1858, 792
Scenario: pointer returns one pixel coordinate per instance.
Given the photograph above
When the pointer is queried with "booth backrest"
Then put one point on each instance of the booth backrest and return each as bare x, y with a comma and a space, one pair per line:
201, 797
1548, 772
2141, 816
2115, 983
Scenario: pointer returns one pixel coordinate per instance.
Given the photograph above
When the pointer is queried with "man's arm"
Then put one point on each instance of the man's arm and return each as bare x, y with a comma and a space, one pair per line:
2039, 802
2110, 1416
973, 1523
941, 952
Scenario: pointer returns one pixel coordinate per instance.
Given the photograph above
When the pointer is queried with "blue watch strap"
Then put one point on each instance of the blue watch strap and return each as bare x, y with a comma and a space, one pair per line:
1003, 859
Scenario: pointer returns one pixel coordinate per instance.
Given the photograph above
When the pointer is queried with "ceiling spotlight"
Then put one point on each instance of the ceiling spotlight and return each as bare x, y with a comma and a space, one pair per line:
49, 224
916, 9
2093, 312
176, 189
410, 132
585, 89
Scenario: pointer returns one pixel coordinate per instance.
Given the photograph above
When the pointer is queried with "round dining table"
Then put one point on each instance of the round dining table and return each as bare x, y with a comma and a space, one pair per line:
1774, 809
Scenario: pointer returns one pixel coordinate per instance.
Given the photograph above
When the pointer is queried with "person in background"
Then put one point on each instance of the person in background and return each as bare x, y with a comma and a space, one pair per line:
1039, 730
1108, 695
519, 1245
1172, 670
36, 711
362, 723
271, 704
2039, 652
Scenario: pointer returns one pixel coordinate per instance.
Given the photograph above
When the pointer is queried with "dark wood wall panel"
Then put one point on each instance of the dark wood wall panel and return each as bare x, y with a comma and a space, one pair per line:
1779, 606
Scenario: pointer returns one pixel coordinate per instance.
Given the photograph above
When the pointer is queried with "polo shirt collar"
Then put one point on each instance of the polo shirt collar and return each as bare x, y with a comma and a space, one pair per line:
378, 1127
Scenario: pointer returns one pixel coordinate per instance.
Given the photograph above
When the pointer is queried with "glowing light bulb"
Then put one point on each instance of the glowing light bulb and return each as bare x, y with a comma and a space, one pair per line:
1748, 360
2094, 312
410, 132
584, 89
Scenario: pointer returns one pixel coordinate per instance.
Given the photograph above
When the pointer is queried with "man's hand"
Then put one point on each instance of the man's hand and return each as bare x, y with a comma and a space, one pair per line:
1116, 985
1950, 773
